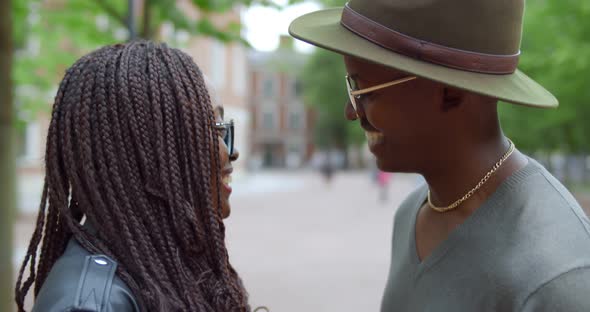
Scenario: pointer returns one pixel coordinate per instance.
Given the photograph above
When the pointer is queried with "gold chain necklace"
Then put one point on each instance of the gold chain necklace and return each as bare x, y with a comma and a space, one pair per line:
473, 190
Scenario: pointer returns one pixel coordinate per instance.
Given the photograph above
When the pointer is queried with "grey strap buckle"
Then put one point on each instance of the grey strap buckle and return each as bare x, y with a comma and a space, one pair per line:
96, 281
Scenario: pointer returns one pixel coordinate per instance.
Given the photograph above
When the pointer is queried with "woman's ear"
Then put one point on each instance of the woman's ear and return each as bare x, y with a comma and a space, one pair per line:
452, 97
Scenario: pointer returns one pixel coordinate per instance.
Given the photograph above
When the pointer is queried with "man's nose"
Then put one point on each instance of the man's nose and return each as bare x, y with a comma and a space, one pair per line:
350, 113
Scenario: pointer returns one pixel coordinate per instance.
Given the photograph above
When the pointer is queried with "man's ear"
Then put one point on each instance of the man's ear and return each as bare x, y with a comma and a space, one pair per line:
452, 97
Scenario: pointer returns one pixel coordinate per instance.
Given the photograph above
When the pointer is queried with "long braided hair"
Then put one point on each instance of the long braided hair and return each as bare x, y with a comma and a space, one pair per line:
131, 150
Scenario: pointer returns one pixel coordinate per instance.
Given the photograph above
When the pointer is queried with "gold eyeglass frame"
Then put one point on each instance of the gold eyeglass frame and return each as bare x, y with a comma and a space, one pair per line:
355, 94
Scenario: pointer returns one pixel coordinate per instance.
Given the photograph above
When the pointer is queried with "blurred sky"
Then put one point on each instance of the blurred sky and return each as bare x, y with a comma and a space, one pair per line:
264, 25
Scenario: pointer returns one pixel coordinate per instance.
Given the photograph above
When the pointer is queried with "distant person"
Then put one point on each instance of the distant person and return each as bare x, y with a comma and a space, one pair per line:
327, 170
491, 229
138, 165
383, 179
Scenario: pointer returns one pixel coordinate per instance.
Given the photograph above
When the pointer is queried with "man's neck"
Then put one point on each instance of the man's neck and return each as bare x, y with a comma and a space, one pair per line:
459, 172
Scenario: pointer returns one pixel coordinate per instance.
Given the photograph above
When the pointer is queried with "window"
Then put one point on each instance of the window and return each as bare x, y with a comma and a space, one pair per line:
294, 158
297, 88
21, 142
29, 142
295, 120
268, 120
268, 87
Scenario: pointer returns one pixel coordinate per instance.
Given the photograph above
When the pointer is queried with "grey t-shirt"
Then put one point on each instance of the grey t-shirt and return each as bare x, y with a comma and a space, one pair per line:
527, 248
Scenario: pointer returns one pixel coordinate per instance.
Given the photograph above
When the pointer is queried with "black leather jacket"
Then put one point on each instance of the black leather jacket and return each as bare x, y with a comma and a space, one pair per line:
80, 281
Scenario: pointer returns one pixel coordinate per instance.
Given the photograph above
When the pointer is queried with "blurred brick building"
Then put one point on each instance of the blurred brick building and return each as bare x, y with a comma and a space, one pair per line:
282, 125
225, 66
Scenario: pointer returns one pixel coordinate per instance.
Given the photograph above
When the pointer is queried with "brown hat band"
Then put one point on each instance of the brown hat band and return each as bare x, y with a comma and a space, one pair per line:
427, 51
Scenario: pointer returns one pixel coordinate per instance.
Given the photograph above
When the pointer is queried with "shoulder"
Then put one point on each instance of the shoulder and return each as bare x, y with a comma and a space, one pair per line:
541, 189
567, 292
554, 218
80, 281
538, 211
544, 242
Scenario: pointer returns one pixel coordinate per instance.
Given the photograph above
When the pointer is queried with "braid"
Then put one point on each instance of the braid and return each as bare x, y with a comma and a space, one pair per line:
156, 78
131, 150
171, 173
198, 83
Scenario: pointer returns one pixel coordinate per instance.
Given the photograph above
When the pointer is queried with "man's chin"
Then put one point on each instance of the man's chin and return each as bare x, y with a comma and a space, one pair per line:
384, 165
389, 165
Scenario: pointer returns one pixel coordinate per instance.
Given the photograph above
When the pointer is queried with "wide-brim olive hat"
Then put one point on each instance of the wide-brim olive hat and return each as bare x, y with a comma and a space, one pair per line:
468, 44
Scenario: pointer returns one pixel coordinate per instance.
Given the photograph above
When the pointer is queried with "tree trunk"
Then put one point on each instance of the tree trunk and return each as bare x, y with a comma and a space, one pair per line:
146, 32
7, 158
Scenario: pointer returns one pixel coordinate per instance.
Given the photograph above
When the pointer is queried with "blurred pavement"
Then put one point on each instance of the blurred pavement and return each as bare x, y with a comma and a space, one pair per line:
298, 243
308, 246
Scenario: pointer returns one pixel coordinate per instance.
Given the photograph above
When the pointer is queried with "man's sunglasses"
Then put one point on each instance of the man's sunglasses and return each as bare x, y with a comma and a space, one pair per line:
226, 129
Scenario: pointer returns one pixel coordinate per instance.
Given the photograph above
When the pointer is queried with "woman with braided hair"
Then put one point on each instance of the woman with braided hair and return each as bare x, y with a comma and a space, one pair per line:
136, 188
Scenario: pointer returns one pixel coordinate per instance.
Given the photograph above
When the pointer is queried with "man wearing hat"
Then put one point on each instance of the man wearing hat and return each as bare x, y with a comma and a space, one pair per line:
491, 230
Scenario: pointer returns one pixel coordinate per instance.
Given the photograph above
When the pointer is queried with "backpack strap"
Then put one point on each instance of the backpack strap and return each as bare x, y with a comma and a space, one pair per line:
96, 281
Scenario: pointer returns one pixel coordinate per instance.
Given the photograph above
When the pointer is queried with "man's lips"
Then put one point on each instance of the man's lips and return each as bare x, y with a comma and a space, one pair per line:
374, 138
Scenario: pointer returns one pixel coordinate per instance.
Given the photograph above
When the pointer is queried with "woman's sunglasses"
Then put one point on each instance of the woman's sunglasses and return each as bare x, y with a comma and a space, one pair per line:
226, 129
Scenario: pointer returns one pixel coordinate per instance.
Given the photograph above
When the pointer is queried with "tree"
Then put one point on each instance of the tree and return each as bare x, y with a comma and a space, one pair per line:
51, 35
326, 91
7, 157
555, 49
